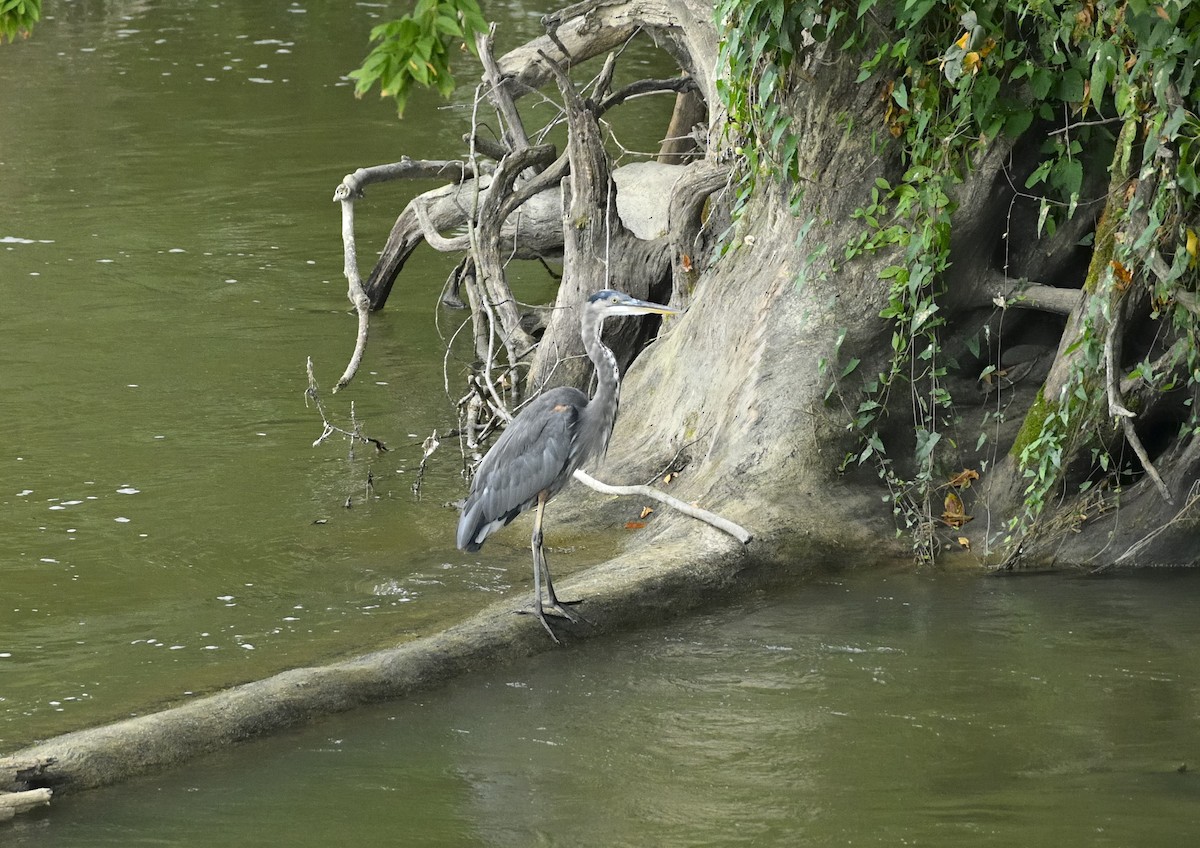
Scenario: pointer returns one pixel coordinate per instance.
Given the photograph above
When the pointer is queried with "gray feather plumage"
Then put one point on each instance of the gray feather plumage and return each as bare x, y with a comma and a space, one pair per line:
537, 452
553, 436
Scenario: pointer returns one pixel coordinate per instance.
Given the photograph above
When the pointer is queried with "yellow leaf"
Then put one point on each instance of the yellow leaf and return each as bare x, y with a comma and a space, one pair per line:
971, 63
1193, 246
964, 542
962, 42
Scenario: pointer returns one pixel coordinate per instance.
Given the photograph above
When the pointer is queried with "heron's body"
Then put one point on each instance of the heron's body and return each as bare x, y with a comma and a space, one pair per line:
554, 435
524, 463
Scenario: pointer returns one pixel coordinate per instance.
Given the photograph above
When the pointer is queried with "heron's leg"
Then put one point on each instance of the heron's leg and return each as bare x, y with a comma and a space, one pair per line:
539, 565
540, 570
555, 606
555, 603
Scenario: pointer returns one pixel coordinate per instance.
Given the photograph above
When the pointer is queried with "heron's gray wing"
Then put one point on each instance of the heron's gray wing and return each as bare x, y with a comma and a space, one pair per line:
532, 455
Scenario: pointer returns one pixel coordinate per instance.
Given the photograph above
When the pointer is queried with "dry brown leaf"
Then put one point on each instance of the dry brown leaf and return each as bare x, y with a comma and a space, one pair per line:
634, 525
954, 516
964, 542
1124, 275
962, 479
646, 510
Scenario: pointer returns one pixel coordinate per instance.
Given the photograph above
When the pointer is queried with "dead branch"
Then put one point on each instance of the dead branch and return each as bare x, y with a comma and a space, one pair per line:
12, 803
345, 195
677, 85
1116, 408
500, 93
723, 524
347, 192
1030, 295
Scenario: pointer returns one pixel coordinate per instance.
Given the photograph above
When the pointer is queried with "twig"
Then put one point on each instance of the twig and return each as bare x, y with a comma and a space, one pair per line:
1095, 123
723, 524
428, 447
313, 393
1136, 547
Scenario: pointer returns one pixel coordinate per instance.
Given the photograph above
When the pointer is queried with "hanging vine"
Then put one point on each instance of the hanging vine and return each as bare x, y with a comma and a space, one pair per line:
956, 77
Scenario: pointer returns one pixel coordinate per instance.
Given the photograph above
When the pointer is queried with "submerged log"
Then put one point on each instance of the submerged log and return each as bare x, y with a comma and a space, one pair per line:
652, 585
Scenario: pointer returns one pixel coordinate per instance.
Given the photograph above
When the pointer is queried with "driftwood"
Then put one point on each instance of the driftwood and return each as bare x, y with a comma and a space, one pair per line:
16, 773
12, 803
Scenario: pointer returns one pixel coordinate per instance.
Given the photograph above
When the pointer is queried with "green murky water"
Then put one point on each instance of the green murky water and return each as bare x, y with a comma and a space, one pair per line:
169, 257
864, 709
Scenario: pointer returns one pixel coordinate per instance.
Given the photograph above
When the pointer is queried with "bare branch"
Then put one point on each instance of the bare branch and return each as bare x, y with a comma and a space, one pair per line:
1116, 408
313, 393
641, 88
723, 524
1030, 295
500, 92
452, 170
345, 194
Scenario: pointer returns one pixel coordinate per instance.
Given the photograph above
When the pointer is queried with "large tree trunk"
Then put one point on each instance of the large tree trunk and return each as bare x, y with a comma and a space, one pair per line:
731, 400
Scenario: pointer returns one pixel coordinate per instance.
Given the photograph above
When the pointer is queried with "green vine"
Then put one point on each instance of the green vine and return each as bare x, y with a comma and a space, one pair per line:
956, 76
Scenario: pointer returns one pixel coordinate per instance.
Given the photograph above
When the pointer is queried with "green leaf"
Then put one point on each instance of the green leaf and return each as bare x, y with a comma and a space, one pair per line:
1039, 173
1070, 86
1040, 81
1104, 69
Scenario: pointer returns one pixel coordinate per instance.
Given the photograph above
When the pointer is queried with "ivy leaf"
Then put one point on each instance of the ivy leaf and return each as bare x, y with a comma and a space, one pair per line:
1104, 69
1017, 123
1040, 81
1070, 86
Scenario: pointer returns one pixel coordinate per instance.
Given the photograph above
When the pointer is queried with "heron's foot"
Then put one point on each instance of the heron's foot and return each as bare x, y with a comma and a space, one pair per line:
555, 609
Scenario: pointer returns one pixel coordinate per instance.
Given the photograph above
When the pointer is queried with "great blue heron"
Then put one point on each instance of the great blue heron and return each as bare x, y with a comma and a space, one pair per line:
542, 447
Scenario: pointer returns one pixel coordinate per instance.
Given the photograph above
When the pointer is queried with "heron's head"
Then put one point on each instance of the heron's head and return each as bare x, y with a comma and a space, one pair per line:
609, 302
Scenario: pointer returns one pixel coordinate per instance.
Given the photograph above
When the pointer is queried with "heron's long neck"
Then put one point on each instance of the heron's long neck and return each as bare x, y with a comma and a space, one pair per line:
602, 408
